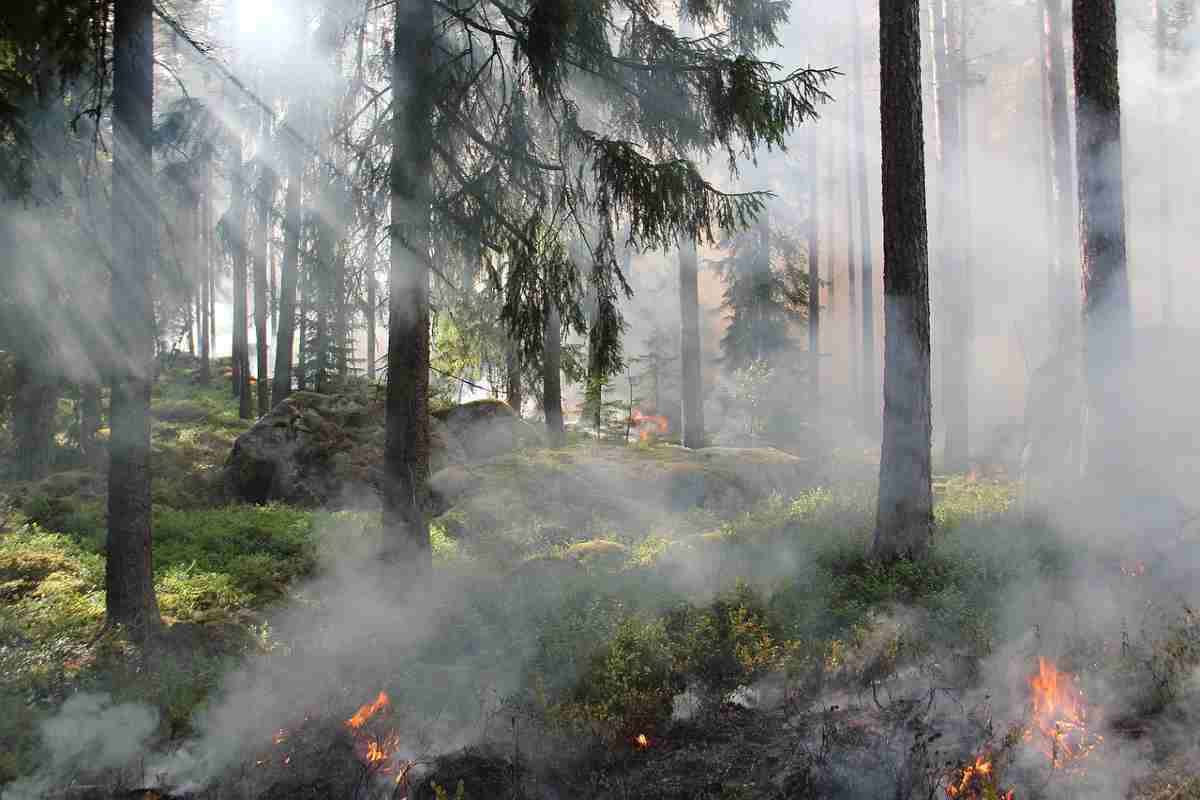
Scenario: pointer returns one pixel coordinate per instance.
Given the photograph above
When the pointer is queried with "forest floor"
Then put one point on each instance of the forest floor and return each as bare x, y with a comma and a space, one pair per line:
732, 653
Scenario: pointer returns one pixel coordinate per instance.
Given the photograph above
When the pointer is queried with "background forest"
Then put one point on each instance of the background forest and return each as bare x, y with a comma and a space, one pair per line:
582, 398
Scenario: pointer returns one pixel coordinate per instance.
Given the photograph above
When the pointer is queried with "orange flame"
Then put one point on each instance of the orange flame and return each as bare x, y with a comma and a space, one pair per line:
974, 781
650, 424
1059, 716
382, 703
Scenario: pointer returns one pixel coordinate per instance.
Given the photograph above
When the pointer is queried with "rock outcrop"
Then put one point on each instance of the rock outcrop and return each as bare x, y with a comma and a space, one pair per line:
327, 450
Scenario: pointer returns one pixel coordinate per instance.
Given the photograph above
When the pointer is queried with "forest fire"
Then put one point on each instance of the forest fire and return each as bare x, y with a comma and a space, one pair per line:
975, 780
650, 425
1059, 726
377, 752
641, 741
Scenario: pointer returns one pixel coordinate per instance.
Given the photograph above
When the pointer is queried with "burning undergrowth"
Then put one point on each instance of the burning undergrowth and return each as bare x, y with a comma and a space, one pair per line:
991, 671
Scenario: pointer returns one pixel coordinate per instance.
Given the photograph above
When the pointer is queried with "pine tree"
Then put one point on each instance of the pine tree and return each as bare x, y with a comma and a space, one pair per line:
904, 522
129, 581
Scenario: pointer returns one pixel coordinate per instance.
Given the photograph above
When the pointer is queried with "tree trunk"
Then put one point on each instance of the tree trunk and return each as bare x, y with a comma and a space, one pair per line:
281, 386
512, 377
241, 349
956, 342
305, 292
263, 198
691, 381
851, 258
206, 275
1065, 302
1107, 316
904, 524
372, 291
814, 275
129, 578
1164, 186
341, 316
552, 373
869, 379
34, 405
406, 452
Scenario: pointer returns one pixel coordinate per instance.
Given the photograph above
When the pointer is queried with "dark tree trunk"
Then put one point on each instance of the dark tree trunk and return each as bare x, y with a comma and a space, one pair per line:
904, 524
206, 253
241, 349
869, 379
406, 452
814, 275
34, 406
129, 577
302, 349
1065, 298
281, 386
552, 373
263, 198
512, 377
322, 277
372, 290
341, 316
956, 343
691, 381
1107, 315
851, 258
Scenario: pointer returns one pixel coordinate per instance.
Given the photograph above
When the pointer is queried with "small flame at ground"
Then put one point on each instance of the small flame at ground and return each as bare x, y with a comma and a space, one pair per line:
975, 780
642, 740
650, 424
381, 703
1059, 716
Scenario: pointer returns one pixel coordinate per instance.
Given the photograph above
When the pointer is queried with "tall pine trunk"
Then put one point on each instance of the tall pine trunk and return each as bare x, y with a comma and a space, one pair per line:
281, 385
904, 522
241, 344
128, 577
1064, 304
851, 257
34, 405
512, 377
206, 273
814, 274
341, 315
1107, 315
552, 373
263, 205
956, 343
869, 379
372, 289
691, 381
406, 451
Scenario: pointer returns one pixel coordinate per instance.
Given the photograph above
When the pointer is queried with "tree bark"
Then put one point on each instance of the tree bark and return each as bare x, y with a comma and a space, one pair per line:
341, 315
851, 259
814, 275
34, 405
406, 451
956, 344
904, 523
552, 373
1107, 315
512, 377
372, 289
241, 349
281, 385
869, 379
691, 380
1065, 300
129, 579
263, 200
206, 274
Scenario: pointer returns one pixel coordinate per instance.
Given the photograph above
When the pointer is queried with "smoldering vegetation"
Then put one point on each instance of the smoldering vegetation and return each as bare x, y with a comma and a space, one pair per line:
620, 619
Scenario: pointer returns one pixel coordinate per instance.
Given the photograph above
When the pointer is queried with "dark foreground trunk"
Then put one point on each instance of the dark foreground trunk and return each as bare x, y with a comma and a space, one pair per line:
281, 385
692, 386
552, 374
904, 523
1107, 316
406, 451
128, 578
34, 405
